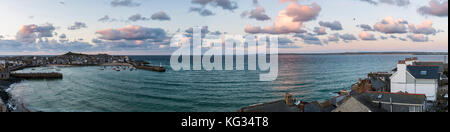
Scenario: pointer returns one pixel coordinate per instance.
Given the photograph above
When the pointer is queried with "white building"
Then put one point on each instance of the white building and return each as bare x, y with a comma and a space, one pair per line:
415, 79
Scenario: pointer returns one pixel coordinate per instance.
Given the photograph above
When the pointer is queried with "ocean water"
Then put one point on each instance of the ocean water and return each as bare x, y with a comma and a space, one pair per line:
88, 89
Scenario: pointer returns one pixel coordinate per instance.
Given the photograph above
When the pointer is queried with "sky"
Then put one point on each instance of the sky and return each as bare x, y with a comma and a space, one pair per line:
145, 27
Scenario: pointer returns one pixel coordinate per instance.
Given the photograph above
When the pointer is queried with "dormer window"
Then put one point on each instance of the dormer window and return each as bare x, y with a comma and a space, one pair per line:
423, 73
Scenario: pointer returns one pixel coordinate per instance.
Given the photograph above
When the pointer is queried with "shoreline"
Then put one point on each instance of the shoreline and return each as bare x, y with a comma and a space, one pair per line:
5, 97
9, 103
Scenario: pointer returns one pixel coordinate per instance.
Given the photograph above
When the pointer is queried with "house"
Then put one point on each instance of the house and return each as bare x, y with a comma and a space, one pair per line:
415, 79
4, 75
360, 103
399, 102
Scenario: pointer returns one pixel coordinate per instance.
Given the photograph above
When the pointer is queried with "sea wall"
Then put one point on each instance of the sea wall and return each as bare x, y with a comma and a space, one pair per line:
37, 75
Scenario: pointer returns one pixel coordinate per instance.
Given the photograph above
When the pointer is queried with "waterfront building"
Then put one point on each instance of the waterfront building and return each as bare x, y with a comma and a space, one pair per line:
4, 74
360, 103
399, 102
415, 79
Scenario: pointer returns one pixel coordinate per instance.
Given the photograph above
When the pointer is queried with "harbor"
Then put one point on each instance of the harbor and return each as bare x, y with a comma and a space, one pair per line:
10, 65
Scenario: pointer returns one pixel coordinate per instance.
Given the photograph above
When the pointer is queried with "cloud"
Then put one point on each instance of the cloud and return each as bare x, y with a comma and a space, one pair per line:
370, 2
106, 18
366, 27
425, 28
348, 37
224, 4
333, 37
390, 2
29, 33
202, 11
204, 30
303, 13
255, 2
367, 36
286, 43
96, 41
162, 16
290, 20
133, 32
77, 25
47, 46
320, 30
124, 3
309, 38
283, 25
336, 25
402, 39
258, 14
137, 17
389, 25
418, 38
62, 36
435, 8
396, 2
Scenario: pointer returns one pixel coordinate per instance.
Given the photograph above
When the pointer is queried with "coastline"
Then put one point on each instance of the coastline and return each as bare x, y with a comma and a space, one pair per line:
5, 97
7, 102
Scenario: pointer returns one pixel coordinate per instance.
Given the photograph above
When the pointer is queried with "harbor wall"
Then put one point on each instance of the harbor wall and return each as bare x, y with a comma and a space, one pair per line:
37, 75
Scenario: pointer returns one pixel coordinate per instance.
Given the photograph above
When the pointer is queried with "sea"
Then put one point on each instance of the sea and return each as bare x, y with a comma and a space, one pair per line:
91, 89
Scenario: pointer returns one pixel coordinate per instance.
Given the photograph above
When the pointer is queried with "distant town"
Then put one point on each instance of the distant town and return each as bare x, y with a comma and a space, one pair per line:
8, 66
412, 86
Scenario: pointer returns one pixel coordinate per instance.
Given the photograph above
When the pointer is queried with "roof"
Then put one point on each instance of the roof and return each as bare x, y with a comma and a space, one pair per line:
440, 64
432, 72
377, 84
402, 98
360, 103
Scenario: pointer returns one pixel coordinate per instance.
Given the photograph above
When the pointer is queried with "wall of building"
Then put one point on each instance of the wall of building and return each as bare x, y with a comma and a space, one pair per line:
428, 87
4, 75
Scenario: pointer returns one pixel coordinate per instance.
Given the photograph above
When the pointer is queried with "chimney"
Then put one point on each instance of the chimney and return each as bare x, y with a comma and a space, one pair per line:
401, 66
410, 61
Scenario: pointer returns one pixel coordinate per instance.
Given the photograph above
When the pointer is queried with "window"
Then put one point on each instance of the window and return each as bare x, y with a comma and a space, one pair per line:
423, 73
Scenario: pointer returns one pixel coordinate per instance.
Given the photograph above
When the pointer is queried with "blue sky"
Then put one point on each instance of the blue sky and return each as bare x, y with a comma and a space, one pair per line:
61, 14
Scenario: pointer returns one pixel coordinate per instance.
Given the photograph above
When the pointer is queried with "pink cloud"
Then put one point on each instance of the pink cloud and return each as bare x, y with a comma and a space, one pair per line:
290, 20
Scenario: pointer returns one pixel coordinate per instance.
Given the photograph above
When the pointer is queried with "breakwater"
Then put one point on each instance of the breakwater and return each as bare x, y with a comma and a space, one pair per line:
37, 75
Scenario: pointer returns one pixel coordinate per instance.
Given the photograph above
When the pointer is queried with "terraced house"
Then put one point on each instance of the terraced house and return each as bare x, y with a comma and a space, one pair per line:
416, 79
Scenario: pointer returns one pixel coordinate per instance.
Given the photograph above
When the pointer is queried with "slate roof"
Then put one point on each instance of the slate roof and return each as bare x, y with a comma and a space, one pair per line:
417, 99
432, 72
440, 64
358, 103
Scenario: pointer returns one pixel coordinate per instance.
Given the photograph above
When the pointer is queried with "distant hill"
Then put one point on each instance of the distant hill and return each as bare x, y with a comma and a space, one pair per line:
74, 54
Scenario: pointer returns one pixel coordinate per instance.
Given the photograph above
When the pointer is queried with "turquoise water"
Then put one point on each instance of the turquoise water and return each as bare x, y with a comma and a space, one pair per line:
87, 89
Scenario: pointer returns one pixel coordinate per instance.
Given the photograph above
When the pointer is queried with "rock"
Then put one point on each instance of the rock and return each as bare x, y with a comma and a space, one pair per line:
3, 107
